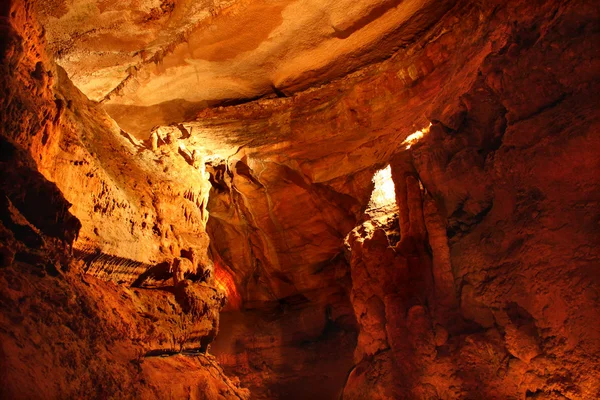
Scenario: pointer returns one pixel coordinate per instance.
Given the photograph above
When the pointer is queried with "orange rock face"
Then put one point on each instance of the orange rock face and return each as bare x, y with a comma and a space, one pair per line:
64, 332
131, 249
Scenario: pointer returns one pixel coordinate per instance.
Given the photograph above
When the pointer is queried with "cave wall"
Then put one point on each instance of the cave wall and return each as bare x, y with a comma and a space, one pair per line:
490, 292
495, 278
65, 333
139, 206
288, 350
493, 285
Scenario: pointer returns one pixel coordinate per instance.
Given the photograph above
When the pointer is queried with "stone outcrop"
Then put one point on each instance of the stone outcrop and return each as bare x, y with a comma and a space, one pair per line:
448, 284
138, 207
64, 332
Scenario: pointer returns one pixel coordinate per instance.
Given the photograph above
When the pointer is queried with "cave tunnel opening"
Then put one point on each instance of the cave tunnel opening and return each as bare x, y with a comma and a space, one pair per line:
383, 197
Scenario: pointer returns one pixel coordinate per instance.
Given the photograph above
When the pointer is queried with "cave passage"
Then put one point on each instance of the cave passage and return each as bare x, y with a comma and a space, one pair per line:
284, 199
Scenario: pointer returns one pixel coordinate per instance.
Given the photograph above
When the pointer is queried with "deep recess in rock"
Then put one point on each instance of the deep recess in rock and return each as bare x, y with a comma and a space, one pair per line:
286, 199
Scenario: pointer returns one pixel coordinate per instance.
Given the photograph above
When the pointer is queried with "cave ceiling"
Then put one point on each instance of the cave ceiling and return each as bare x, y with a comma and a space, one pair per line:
153, 62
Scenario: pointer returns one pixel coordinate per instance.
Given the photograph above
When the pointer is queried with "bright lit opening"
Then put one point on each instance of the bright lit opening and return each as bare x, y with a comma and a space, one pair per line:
384, 193
381, 213
415, 137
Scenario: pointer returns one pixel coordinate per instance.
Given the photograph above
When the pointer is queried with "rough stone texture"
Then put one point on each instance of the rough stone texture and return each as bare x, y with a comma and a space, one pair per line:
482, 282
138, 208
69, 335
157, 61
293, 349
66, 334
505, 222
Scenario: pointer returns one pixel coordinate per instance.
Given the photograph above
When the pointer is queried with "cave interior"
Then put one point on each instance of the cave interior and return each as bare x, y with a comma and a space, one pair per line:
300, 199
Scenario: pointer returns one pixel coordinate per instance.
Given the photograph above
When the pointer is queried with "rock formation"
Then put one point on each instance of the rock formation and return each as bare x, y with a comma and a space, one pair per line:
288, 200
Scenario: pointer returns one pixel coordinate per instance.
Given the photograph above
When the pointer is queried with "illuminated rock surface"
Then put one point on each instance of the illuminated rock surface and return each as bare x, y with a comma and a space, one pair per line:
403, 204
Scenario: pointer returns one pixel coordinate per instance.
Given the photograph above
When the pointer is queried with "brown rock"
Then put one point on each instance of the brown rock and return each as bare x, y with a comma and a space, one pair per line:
478, 281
